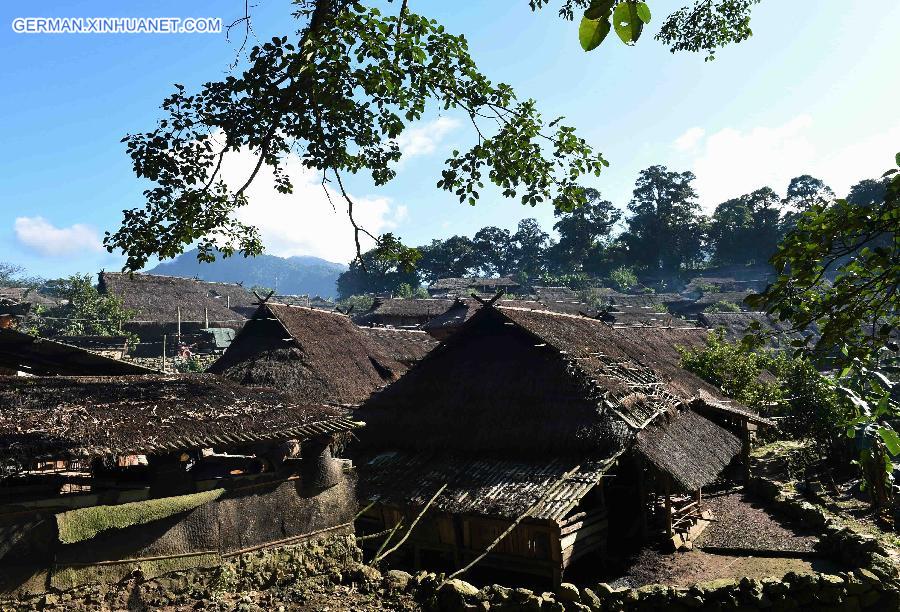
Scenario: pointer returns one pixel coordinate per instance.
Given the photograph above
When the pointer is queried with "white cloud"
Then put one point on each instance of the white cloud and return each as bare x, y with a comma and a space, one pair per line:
689, 139
424, 139
732, 162
304, 222
44, 238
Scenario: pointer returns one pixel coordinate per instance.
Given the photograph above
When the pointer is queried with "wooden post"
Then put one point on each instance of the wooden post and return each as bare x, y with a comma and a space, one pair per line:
205, 317
228, 301
178, 310
669, 532
745, 451
164, 353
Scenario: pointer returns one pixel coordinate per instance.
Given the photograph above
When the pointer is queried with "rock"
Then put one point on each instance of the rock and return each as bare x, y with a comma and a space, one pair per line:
867, 576
568, 592
521, 594
456, 596
396, 580
604, 589
590, 599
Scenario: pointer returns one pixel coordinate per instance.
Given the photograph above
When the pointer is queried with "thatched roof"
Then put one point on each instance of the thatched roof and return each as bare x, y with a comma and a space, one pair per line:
736, 324
421, 309
732, 297
472, 282
27, 295
691, 449
503, 488
463, 308
518, 380
641, 316
156, 298
404, 345
90, 417
315, 355
34, 355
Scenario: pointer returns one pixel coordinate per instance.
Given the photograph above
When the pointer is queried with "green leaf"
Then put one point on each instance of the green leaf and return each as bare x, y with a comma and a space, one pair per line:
591, 32
643, 12
891, 440
599, 9
627, 23
897, 158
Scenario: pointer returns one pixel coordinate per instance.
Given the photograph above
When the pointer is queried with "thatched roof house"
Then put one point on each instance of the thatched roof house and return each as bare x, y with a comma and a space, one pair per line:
466, 285
315, 355
735, 326
521, 407
21, 352
158, 299
402, 312
100, 477
404, 345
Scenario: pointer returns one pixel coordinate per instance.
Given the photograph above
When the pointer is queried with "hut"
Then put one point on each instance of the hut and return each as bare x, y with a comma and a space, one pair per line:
315, 355
101, 477
407, 313
507, 431
735, 325
27, 354
451, 287
176, 307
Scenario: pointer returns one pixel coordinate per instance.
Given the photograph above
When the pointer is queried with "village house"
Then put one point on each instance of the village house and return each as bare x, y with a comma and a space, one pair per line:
318, 356
100, 476
535, 439
451, 287
23, 353
178, 308
407, 313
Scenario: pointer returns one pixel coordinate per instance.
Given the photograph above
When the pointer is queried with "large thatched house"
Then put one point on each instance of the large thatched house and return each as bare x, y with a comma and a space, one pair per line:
317, 356
515, 422
179, 308
100, 477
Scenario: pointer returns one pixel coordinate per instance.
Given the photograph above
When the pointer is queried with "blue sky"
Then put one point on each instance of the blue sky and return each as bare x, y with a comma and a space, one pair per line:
814, 91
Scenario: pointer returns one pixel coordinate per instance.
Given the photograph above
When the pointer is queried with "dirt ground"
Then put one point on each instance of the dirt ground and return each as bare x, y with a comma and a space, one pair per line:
741, 523
687, 568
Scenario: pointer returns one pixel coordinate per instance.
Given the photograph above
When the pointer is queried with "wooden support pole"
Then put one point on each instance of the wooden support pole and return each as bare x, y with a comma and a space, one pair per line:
669, 532
164, 353
745, 451
205, 317
178, 311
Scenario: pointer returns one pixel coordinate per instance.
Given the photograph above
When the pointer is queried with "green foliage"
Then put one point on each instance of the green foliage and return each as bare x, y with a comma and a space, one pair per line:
86, 311
381, 270
839, 269
338, 95
623, 278
665, 228
405, 290
580, 231
85, 523
746, 230
454, 257
573, 281
189, 365
12, 275
775, 384
723, 307
705, 26
357, 303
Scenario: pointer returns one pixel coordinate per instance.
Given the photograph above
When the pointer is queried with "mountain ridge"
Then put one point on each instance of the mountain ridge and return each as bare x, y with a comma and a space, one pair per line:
295, 275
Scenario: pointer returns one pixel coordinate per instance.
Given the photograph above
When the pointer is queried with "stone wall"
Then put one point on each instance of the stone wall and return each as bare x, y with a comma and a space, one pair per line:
298, 564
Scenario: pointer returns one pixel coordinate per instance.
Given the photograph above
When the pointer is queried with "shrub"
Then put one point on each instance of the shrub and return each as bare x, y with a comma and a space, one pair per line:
723, 307
623, 278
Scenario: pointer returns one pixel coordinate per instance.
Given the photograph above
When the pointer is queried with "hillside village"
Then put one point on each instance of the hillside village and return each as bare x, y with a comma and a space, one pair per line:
367, 305
546, 439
